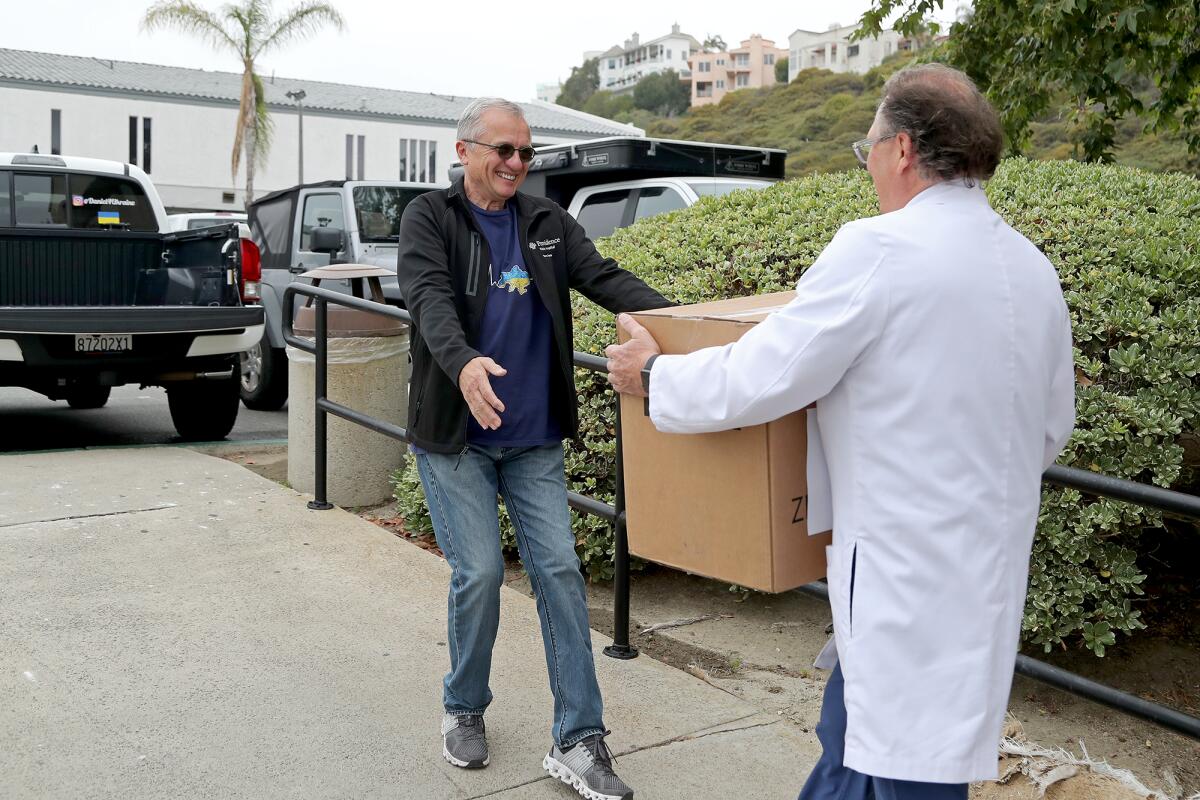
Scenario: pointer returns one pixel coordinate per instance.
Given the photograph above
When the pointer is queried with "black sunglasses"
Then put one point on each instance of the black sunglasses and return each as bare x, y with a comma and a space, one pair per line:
506, 150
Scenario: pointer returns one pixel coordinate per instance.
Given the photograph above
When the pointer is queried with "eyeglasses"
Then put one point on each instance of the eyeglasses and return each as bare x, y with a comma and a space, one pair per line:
862, 148
506, 150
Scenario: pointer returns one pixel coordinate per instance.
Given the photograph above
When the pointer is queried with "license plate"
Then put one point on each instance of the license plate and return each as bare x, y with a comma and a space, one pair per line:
103, 343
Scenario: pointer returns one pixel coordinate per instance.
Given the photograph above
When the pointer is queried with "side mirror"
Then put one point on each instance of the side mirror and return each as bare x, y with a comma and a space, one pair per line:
327, 240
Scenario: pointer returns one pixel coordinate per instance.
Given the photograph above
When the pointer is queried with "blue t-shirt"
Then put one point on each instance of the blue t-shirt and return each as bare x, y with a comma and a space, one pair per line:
516, 333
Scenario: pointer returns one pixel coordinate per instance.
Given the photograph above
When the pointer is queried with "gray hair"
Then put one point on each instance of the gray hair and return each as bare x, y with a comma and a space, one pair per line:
955, 129
470, 124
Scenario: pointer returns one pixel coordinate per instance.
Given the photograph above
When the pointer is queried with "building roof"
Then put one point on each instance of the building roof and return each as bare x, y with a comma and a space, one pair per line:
181, 83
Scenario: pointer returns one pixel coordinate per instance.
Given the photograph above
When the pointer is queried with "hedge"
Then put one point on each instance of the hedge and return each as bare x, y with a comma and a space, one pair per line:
1126, 244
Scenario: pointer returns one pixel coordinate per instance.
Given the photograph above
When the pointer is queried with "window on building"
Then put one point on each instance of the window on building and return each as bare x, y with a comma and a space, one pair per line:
404, 159
741, 79
320, 211
741, 59
432, 161
362, 157
720, 84
41, 199
412, 160
704, 89
769, 59
720, 62
422, 176
133, 140
704, 66
612, 63
56, 131
852, 51
146, 144
349, 156
668, 54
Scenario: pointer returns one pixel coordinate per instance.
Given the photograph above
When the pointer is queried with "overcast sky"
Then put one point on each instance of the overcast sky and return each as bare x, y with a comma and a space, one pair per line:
466, 47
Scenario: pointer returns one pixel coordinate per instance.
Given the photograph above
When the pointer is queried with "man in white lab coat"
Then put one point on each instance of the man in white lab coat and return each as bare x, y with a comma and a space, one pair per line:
936, 344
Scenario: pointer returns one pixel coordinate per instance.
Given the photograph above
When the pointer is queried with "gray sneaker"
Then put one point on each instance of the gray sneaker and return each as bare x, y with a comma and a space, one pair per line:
464, 743
587, 767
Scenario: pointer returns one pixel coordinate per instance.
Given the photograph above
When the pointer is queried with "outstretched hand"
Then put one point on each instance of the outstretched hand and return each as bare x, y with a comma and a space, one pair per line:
476, 389
625, 361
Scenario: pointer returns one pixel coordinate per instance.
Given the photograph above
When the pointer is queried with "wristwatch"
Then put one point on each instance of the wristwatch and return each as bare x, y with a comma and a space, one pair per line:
646, 372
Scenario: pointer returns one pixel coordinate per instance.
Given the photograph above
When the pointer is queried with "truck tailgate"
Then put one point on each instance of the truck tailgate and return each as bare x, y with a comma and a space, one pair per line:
128, 319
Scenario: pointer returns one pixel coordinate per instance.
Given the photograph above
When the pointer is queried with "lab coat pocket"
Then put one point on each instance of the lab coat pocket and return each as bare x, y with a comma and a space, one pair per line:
840, 569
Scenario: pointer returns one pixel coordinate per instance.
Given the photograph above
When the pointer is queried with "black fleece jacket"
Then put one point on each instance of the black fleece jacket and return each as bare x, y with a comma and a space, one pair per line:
443, 276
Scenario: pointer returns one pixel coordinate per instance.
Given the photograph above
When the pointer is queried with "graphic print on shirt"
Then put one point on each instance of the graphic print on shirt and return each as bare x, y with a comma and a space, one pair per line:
515, 279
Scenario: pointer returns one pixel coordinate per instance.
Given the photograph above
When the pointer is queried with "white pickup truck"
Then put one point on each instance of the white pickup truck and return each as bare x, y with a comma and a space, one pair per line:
95, 293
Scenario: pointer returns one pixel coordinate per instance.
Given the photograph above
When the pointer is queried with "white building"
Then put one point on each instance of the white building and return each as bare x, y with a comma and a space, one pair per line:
178, 125
833, 50
620, 68
548, 92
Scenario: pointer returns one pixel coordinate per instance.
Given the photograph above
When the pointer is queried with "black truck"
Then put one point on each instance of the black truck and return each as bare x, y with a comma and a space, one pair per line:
93, 294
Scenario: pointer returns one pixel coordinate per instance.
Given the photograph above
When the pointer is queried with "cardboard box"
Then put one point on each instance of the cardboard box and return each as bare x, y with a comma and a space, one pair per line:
729, 505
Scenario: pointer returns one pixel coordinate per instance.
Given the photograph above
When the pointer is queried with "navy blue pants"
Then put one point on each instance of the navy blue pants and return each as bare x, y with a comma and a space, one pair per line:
831, 781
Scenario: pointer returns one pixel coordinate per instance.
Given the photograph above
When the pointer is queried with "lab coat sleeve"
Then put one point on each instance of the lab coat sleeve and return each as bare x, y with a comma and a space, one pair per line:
789, 360
1060, 416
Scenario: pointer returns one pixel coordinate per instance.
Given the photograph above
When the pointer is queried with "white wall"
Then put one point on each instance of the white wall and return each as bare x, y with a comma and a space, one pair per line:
191, 143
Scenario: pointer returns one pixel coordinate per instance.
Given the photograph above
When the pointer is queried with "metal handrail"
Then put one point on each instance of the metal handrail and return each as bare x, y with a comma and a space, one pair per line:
1082, 480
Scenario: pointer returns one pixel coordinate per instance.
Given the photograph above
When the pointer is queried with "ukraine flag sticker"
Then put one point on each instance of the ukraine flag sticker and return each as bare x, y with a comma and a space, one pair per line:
108, 217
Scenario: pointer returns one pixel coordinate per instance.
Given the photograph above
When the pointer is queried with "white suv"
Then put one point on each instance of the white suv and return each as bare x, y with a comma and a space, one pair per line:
604, 208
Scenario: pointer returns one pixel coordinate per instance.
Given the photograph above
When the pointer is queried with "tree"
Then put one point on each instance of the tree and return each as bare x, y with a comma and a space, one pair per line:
249, 30
582, 84
781, 70
608, 105
714, 44
1028, 53
662, 93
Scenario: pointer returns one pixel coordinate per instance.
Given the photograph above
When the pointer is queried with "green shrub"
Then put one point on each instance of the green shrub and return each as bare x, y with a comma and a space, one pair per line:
1126, 245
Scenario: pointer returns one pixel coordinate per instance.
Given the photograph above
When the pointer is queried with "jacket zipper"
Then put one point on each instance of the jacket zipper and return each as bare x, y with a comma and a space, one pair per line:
473, 269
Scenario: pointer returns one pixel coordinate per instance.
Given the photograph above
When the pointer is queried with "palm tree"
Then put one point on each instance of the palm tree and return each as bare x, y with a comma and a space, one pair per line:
249, 30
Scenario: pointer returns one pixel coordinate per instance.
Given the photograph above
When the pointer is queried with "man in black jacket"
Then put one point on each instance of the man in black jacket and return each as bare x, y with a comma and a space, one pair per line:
486, 273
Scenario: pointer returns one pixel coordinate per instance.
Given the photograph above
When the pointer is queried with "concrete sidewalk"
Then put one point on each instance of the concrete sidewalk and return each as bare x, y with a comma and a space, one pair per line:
172, 625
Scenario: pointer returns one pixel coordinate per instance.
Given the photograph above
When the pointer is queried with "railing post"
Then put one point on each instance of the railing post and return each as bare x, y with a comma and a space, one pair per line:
620, 648
321, 379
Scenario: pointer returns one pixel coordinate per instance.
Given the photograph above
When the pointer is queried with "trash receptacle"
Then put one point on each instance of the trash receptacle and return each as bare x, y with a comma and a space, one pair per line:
368, 371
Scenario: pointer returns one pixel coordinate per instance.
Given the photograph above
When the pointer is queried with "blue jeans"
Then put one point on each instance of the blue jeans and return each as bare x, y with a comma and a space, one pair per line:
461, 493
832, 781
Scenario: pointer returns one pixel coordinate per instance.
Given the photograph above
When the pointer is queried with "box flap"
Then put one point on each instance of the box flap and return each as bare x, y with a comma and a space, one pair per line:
739, 309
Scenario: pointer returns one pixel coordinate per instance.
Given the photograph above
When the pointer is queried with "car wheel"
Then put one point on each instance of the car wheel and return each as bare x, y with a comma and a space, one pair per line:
203, 411
88, 396
264, 383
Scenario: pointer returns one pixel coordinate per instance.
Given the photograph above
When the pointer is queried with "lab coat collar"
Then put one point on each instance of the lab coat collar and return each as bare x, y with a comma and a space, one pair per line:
951, 191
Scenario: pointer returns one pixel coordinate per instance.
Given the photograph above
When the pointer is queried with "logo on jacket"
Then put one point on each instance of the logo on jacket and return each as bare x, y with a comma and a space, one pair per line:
515, 280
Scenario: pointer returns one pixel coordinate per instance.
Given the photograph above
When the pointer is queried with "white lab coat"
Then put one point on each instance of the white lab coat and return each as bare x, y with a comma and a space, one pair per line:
937, 346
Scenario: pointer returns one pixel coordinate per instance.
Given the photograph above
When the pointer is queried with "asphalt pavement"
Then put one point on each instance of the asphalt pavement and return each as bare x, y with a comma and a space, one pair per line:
175, 626
133, 416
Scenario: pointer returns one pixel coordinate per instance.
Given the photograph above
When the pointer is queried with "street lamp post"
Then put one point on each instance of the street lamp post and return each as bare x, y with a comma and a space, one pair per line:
299, 96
